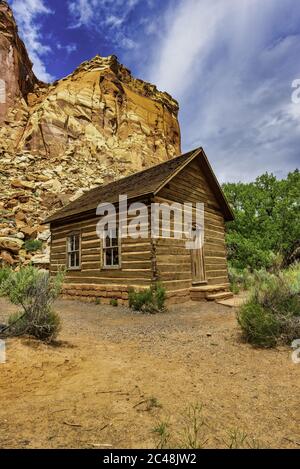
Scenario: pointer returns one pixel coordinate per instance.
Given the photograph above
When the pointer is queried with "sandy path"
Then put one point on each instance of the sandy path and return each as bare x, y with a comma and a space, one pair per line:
84, 392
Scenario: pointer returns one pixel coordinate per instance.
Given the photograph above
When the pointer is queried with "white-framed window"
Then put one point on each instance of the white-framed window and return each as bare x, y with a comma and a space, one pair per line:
73, 251
111, 250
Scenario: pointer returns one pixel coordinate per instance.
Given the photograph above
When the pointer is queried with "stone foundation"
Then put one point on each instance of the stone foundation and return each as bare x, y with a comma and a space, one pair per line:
104, 294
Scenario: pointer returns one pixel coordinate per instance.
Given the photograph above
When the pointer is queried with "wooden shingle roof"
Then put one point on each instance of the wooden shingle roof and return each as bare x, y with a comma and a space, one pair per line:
143, 183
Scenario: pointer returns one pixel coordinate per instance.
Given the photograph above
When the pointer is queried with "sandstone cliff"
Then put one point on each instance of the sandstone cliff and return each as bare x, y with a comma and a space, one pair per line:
16, 72
57, 140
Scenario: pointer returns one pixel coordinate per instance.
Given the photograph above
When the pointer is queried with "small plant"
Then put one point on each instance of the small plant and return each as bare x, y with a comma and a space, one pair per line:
162, 434
98, 301
33, 245
153, 403
151, 300
35, 291
193, 433
189, 432
114, 302
236, 439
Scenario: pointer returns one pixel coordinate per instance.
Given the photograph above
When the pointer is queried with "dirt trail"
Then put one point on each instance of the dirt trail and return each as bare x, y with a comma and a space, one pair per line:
90, 390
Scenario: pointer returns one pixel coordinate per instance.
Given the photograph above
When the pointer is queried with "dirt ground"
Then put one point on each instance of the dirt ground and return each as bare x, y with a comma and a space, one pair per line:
89, 390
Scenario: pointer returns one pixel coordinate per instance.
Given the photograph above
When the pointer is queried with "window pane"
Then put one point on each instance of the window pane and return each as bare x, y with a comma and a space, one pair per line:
76, 259
115, 257
76, 242
71, 260
107, 241
108, 257
114, 242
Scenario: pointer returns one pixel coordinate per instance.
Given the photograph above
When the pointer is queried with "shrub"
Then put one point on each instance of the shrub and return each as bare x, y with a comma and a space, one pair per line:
4, 274
114, 302
35, 291
260, 327
33, 245
240, 279
272, 314
151, 300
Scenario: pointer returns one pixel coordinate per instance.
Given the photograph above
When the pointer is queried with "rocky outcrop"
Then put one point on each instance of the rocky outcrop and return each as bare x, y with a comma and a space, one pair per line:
58, 140
16, 73
100, 114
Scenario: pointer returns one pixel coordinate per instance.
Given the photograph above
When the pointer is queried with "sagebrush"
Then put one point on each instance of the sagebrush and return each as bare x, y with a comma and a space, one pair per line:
272, 313
35, 291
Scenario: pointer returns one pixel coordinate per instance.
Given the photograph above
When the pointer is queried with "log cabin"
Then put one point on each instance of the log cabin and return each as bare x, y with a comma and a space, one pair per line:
102, 268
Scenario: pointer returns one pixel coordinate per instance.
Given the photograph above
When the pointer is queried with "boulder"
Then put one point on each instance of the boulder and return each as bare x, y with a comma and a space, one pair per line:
44, 236
41, 259
7, 258
30, 231
18, 184
11, 244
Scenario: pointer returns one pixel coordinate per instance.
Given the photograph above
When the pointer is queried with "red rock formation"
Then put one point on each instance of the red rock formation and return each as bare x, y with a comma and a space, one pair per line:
16, 72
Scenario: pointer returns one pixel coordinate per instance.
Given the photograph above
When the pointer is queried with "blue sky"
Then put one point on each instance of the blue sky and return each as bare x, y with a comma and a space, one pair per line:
229, 63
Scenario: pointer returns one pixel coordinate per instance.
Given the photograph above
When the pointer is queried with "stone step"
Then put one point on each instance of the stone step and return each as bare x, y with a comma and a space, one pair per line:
219, 296
210, 288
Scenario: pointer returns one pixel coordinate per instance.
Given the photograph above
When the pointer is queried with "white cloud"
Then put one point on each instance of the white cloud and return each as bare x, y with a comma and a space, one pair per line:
82, 12
69, 48
231, 64
106, 15
27, 13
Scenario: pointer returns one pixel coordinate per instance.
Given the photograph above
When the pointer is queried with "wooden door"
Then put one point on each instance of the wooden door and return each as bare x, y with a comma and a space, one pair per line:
197, 258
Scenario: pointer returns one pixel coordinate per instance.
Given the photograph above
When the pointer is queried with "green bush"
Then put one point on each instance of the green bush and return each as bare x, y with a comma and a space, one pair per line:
33, 245
260, 327
114, 302
35, 291
4, 274
272, 314
151, 300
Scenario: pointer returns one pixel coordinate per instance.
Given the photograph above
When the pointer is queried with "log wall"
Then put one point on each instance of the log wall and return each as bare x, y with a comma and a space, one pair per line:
93, 281
173, 259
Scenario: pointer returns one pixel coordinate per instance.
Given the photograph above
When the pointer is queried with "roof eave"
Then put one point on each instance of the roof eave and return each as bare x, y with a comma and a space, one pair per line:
53, 219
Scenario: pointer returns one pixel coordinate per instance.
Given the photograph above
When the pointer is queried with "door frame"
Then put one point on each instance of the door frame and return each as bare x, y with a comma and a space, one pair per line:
198, 269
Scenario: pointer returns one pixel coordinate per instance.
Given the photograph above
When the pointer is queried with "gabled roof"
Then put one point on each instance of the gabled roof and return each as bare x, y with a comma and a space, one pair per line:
143, 183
